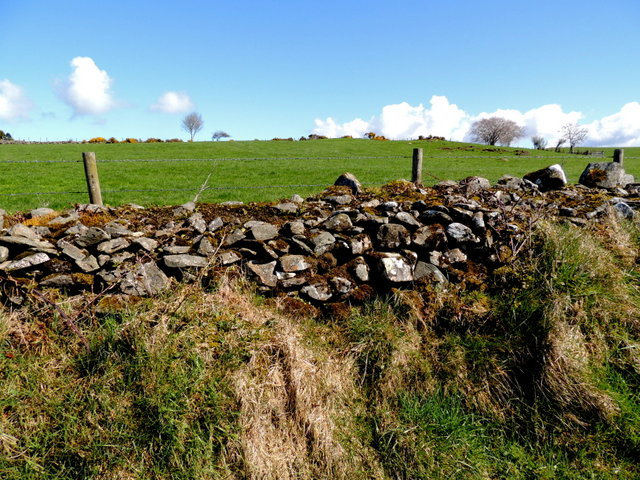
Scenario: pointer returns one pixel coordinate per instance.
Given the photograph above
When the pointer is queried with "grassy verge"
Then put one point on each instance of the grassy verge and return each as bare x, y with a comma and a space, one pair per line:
258, 164
535, 376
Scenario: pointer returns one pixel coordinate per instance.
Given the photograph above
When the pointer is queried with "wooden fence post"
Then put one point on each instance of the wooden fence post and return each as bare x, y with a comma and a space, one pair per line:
93, 182
416, 172
618, 156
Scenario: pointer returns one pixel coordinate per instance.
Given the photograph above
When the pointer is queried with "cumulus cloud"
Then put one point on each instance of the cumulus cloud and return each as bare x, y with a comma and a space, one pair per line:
445, 119
173, 102
14, 104
88, 89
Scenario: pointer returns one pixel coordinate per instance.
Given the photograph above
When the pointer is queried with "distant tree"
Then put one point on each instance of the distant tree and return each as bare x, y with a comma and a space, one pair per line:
559, 144
5, 135
219, 134
192, 124
496, 130
539, 143
573, 134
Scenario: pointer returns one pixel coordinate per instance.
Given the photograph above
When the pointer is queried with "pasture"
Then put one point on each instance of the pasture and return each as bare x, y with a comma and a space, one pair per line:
34, 175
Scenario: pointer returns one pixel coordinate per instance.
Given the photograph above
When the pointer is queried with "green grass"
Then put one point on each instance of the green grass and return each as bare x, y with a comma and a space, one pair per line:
280, 163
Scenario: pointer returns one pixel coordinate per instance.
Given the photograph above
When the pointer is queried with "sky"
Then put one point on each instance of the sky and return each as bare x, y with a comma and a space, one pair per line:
262, 69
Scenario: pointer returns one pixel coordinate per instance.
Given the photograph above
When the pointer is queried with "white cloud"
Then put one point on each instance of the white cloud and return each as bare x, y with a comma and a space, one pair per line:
173, 102
14, 104
621, 129
88, 89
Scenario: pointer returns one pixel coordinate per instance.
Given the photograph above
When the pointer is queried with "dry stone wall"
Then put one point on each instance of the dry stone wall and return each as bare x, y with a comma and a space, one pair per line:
342, 245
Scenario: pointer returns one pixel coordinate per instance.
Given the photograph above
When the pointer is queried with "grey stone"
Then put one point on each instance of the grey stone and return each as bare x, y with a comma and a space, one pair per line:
435, 216
144, 280
360, 244
392, 236
196, 221
338, 223
461, 233
427, 271
299, 243
455, 256
408, 220
623, 210
27, 262
184, 261
360, 269
294, 263
317, 291
58, 281
41, 212
288, 207
76, 230
323, 242
176, 249
349, 180
62, 219
234, 237
41, 231
115, 229
339, 199
295, 198
119, 258
112, 246
29, 243
294, 228
215, 224
92, 236
264, 272
88, 264
205, 248
341, 285
4, 253
429, 236
605, 175
478, 223
229, 257
263, 231
148, 244
71, 251
20, 230
549, 178
474, 185
394, 268
184, 209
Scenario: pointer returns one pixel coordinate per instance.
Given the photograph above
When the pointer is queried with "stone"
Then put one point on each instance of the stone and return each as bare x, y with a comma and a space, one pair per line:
454, 256
63, 219
435, 216
394, 268
41, 212
295, 198
176, 249
622, 208
339, 199
71, 251
294, 263
57, 281
264, 272
205, 248
184, 261
294, 228
473, 185
360, 269
92, 236
88, 264
196, 221
234, 237
215, 224
229, 258
427, 272
29, 243
429, 236
317, 291
408, 220
461, 233
341, 285
323, 242
605, 175
360, 244
338, 223
4, 253
287, 207
349, 180
148, 244
262, 231
27, 262
392, 236
184, 209
115, 229
549, 178
478, 223
144, 280
20, 230
112, 246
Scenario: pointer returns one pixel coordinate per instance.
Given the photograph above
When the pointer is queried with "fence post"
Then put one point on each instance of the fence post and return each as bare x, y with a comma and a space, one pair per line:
91, 173
416, 172
618, 156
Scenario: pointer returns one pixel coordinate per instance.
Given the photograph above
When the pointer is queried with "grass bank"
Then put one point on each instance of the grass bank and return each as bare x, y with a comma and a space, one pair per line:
533, 375
257, 170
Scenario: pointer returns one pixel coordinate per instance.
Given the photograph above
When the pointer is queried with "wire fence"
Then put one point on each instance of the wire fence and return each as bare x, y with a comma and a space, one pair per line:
201, 188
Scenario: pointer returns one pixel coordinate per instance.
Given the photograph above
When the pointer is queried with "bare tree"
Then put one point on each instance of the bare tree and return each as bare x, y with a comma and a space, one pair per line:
539, 143
192, 124
496, 130
219, 134
573, 134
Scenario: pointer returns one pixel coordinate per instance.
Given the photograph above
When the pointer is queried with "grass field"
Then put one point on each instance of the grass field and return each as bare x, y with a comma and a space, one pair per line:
238, 168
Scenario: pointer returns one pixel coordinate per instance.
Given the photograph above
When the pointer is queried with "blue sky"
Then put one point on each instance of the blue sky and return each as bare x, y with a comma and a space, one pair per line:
261, 69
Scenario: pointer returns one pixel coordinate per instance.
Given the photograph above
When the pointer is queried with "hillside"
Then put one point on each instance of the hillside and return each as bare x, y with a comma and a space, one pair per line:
520, 360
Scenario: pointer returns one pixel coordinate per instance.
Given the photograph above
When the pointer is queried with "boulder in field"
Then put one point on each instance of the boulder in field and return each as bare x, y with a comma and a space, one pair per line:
605, 175
549, 178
